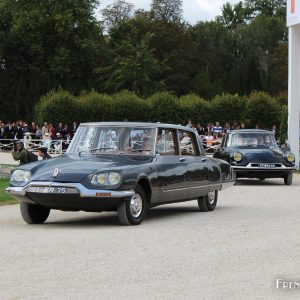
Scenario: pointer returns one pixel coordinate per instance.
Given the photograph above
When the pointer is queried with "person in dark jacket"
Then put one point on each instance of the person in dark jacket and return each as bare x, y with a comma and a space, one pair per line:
43, 153
19, 153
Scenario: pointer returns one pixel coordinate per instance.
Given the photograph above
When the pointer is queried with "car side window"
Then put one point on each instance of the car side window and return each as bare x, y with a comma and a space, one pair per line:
166, 142
187, 143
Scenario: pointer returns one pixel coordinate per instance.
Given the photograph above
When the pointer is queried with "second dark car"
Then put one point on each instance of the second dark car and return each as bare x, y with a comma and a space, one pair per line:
254, 153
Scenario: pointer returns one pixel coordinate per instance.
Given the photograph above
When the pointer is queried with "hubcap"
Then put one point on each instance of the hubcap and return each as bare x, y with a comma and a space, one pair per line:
211, 197
136, 205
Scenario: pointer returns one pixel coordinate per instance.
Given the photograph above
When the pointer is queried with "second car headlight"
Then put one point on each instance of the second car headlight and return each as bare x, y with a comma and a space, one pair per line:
106, 179
237, 156
290, 157
20, 177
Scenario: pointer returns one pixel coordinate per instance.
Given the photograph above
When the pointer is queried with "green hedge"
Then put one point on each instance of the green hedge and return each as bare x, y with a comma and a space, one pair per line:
258, 108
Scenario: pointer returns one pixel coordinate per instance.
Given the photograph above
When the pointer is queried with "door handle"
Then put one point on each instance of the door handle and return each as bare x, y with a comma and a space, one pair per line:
204, 159
182, 159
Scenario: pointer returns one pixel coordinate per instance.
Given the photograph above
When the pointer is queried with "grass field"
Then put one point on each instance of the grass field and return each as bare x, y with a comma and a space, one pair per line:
4, 197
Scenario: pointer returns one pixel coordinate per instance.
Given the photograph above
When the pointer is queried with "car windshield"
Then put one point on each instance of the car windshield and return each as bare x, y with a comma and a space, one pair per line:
113, 140
251, 140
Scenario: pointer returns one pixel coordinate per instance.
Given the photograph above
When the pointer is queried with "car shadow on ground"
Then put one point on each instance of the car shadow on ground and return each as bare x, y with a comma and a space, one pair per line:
254, 181
111, 219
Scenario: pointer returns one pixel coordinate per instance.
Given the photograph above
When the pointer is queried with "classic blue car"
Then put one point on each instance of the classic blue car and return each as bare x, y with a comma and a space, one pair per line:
254, 153
124, 167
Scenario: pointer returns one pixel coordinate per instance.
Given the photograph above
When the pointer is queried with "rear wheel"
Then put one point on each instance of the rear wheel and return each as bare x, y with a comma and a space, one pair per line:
288, 179
208, 202
33, 213
133, 210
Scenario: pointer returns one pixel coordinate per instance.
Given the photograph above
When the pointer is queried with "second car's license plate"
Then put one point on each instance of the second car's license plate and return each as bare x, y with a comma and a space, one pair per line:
267, 166
51, 190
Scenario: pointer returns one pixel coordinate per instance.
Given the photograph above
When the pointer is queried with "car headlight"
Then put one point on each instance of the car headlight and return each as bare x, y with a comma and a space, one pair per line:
290, 157
20, 177
106, 179
237, 156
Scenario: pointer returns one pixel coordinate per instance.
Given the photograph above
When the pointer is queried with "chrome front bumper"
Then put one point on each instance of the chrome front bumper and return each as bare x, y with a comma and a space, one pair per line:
20, 192
250, 167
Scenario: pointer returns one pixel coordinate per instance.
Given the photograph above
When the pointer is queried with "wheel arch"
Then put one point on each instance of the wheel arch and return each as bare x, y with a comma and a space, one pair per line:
144, 182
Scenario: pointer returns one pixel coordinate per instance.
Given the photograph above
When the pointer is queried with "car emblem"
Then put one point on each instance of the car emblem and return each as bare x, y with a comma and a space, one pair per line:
55, 172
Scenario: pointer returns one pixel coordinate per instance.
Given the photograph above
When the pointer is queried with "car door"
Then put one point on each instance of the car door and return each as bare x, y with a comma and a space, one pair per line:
196, 177
171, 168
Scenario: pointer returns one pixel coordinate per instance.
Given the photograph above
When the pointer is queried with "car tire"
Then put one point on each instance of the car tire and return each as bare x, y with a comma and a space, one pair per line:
33, 213
208, 202
133, 210
288, 179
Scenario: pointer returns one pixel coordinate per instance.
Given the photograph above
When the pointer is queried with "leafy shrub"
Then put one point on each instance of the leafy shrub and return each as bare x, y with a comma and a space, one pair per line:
263, 110
194, 107
127, 105
57, 106
94, 107
227, 108
164, 108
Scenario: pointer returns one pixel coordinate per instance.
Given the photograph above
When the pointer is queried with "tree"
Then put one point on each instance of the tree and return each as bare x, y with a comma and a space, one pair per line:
133, 67
268, 8
117, 12
234, 15
44, 45
167, 10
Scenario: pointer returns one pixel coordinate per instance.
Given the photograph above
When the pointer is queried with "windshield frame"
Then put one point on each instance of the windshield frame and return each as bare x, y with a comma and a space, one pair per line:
131, 140
246, 137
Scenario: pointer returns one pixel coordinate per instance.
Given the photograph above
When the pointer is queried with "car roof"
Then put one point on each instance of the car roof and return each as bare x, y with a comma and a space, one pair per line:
138, 124
249, 131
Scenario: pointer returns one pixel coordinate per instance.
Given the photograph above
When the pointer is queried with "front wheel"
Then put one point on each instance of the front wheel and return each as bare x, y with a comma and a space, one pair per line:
133, 210
33, 213
208, 202
288, 179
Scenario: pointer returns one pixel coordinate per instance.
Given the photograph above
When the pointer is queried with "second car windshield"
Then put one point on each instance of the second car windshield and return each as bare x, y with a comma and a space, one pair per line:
106, 140
251, 140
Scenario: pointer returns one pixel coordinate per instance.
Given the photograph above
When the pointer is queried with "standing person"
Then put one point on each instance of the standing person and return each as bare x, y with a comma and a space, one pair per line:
32, 129
60, 129
275, 132
52, 131
74, 128
217, 128
227, 128
189, 123
38, 133
200, 130
45, 128
43, 153
19, 153
65, 132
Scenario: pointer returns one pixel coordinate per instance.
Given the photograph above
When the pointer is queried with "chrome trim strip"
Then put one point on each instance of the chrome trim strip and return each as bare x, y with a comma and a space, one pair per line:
193, 187
84, 192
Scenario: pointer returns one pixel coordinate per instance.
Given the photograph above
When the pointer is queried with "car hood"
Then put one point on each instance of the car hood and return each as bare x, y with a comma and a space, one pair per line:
74, 168
271, 155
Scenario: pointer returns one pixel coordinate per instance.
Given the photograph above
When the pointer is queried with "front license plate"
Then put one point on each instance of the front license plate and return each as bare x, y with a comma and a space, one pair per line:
51, 190
267, 166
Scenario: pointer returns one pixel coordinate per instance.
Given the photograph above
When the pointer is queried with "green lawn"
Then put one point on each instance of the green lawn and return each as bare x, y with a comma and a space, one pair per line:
4, 197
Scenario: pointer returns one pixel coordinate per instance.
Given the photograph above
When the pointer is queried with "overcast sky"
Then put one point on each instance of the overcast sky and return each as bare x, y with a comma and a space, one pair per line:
193, 10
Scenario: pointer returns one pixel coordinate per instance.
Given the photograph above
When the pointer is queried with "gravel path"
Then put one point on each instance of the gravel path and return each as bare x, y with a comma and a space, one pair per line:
235, 252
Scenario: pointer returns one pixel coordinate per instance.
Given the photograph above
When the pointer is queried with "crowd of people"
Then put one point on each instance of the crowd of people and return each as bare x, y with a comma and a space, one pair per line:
212, 133
52, 138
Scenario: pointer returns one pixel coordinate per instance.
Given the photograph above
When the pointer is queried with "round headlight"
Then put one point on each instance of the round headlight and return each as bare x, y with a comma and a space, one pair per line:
237, 156
106, 179
20, 177
114, 178
100, 179
290, 157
